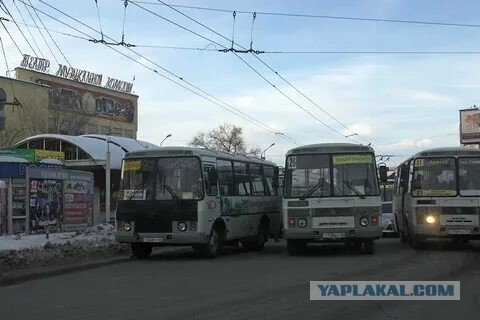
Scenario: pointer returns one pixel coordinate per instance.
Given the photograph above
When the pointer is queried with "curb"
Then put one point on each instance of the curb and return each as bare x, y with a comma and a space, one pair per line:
51, 271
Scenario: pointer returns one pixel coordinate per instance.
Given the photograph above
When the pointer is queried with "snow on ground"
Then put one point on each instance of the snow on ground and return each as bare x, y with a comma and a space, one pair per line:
98, 233
35, 251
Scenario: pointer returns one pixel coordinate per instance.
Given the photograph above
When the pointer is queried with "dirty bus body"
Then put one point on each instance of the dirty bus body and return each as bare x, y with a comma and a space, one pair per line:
197, 197
331, 195
437, 195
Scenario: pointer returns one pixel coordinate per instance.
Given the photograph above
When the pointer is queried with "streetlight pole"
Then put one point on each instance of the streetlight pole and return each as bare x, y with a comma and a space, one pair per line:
262, 155
168, 136
107, 182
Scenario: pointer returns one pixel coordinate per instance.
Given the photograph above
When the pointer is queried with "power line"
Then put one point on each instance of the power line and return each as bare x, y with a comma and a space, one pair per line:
377, 52
298, 15
5, 9
99, 20
204, 94
183, 48
244, 61
280, 76
13, 40
28, 29
276, 72
50, 35
40, 31
125, 3
53, 31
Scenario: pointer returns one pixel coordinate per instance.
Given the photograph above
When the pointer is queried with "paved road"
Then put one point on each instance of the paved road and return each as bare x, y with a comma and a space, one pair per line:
249, 285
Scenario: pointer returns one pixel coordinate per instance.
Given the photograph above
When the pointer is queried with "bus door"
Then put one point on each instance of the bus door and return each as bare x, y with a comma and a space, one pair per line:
212, 200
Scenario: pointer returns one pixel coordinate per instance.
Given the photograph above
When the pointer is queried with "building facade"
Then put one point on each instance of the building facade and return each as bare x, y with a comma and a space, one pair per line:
36, 102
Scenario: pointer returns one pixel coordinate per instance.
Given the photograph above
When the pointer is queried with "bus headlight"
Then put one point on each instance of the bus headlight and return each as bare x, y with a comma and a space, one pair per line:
364, 221
127, 226
302, 223
430, 219
182, 226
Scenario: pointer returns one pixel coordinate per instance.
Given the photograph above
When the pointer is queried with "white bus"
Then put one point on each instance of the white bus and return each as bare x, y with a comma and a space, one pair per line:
197, 197
437, 195
331, 194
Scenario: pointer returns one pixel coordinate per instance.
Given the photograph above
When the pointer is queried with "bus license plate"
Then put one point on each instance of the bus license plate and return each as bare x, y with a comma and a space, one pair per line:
151, 239
459, 231
334, 235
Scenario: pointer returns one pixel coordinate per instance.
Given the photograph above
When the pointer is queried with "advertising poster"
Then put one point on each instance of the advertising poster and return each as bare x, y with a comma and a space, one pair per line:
46, 205
470, 126
59, 199
78, 207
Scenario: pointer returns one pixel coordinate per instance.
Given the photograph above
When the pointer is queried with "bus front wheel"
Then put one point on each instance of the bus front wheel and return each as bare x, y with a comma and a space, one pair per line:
296, 247
141, 250
214, 245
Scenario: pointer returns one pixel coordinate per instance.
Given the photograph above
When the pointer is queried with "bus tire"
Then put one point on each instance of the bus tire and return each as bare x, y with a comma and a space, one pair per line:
296, 247
257, 243
214, 245
368, 246
141, 250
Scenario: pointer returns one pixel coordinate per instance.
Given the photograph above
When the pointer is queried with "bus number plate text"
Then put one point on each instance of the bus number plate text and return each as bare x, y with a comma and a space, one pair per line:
334, 235
150, 239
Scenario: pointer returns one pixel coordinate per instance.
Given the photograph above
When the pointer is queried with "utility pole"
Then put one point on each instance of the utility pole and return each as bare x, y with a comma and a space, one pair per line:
262, 155
107, 182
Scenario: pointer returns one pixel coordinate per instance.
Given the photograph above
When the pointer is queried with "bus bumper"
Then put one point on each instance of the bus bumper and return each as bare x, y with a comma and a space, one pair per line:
163, 239
333, 235
448, 232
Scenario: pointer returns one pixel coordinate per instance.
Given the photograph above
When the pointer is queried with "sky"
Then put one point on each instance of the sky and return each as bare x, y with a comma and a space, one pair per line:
400, 103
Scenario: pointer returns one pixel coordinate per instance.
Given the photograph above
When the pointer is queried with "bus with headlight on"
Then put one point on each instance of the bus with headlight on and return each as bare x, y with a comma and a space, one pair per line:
437, 195
196, 197
331, 195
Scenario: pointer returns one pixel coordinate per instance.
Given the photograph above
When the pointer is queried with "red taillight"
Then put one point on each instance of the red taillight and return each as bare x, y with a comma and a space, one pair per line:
291, 222
193, 226
374, 220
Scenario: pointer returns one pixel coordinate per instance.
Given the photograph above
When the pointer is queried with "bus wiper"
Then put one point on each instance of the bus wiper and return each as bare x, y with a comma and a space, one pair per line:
134, 193
312, 190
348, 184
170, 190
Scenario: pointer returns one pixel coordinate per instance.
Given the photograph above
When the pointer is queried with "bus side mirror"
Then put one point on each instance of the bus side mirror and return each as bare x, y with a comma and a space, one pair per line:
383, 172
212, 177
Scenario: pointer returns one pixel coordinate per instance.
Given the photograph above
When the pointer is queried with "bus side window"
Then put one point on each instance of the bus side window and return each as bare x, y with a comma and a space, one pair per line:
210, 181
242, 178
225, 178
257, 179
269, 177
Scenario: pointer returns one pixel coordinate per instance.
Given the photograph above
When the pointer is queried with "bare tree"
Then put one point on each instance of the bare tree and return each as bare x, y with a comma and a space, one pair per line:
9, 137
62, 121
227, 137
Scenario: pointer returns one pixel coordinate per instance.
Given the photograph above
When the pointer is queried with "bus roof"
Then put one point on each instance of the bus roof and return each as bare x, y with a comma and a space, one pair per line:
448, 151
330, 148
192, 151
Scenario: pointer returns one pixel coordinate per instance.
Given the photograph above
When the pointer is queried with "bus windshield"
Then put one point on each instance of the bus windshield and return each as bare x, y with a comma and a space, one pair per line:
308, 174
138, 179
469, 176
434, 177
311, 175
354, 175
179, 178
162, 179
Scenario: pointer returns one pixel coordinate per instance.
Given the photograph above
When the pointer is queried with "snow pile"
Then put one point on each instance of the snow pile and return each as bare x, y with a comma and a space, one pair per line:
36, 250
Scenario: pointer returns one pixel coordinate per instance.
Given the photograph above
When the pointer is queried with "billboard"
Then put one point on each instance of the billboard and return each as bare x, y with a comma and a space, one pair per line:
59, 199
470, 126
